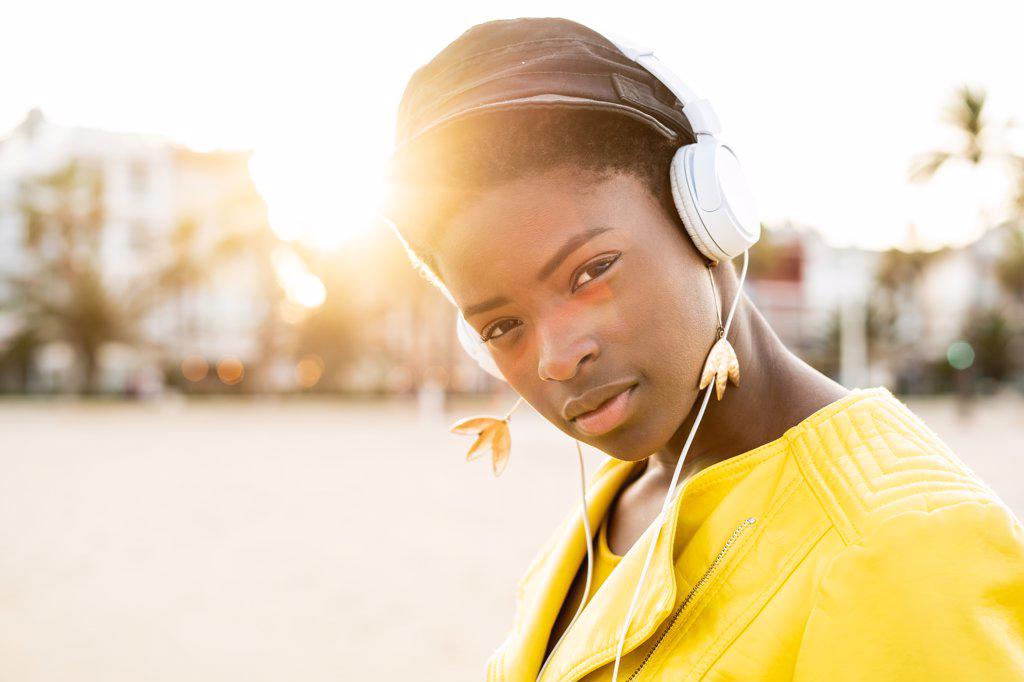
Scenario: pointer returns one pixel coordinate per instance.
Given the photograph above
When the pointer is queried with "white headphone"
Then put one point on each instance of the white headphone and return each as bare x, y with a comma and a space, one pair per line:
708, 187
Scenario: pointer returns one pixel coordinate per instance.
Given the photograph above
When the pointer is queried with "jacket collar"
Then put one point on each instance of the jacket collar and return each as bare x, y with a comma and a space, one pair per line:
593, 638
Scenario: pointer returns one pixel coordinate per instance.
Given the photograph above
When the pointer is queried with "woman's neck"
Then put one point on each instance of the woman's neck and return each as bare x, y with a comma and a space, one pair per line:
777, 390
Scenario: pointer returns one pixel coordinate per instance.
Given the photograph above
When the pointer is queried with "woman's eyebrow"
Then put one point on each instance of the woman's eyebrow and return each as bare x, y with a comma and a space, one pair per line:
483, 307
571, 244
574, 242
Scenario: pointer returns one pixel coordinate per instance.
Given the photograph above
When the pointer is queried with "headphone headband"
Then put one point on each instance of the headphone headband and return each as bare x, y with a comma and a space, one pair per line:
699, 112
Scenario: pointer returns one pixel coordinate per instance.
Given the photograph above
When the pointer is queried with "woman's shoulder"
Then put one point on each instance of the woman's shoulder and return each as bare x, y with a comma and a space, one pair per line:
870, 458
931, 595
929, 580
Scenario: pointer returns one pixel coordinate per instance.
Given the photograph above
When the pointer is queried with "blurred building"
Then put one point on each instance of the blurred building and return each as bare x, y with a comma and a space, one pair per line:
954, 285
815, 298
179, 245
869, 317
799, 282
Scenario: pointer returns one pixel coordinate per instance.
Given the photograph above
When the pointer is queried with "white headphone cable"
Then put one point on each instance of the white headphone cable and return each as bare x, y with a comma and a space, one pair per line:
660, 520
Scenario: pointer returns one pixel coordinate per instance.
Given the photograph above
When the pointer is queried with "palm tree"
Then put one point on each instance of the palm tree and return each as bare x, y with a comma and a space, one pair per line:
979, 143
966, 113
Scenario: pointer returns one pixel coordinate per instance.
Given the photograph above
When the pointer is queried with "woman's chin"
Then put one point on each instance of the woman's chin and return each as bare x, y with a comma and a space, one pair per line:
628, 444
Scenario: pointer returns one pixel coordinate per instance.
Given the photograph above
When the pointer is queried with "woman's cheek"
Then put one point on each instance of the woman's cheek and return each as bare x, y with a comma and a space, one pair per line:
519, 357
609, 308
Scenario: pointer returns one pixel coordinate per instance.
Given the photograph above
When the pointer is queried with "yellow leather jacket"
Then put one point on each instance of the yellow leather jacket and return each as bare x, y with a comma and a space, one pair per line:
856, 546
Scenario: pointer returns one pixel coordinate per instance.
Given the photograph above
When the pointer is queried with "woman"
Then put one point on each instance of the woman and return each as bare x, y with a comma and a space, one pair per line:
805, 531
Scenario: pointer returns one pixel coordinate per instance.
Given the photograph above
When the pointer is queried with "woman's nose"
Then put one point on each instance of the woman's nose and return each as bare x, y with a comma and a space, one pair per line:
563, 347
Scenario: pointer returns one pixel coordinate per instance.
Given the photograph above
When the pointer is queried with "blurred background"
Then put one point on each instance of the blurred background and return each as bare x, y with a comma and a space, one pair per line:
225, 392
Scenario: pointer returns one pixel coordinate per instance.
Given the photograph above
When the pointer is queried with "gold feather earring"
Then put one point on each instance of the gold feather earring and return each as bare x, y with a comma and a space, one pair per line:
721, 364
492, 433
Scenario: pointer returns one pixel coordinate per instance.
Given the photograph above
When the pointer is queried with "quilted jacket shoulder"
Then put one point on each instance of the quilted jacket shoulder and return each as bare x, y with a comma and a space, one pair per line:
875, 460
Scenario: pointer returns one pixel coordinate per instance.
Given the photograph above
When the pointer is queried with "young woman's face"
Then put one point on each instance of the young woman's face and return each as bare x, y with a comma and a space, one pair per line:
579, 284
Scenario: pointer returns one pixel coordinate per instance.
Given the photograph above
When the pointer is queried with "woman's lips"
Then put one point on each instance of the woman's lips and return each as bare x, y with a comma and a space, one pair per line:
610, 414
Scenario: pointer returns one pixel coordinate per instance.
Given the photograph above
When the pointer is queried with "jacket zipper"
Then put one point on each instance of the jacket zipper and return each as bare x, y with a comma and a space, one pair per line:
703, 579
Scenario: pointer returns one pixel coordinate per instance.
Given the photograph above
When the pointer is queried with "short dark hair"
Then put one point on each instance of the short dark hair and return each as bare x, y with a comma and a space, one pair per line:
480, 152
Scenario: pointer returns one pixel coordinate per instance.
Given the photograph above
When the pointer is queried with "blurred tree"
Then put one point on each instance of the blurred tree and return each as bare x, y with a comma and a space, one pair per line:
1010, 265
183, 270
1009, 269
16, 359
897, 324
989, 335
966, 114
191, 259
62, 295
827, 353
333, 331
259, 243
902, 270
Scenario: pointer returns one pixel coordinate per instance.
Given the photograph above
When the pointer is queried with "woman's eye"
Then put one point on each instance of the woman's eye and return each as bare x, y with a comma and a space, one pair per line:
598, 266
489, 334
589, 272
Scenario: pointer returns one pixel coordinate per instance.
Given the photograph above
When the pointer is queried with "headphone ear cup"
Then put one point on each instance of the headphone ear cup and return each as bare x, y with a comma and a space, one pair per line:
477, 349
682, 195
727, 225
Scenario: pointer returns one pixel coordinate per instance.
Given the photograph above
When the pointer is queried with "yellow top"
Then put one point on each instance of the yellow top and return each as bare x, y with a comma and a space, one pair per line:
604, 562
856, 546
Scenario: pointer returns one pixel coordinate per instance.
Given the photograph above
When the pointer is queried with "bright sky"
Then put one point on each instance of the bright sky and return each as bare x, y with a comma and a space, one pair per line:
826, 104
